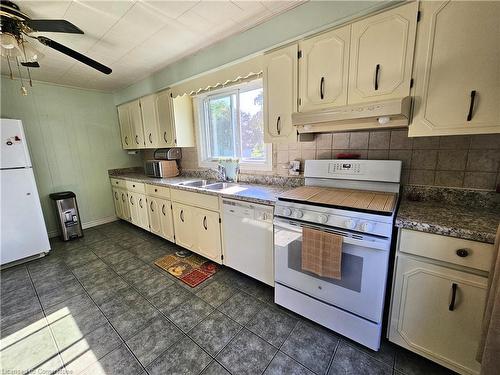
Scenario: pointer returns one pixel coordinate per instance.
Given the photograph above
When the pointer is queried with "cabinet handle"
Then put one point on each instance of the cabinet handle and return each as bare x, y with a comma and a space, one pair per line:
131, 202
151, 206
150, 139
116, 195
322, 88
471, 106
181, 215
140, 202
126, 140
136, 139
165, 137
453, 296
205, 223
163, 210
377, 70
462, 253
123, 198
278, 125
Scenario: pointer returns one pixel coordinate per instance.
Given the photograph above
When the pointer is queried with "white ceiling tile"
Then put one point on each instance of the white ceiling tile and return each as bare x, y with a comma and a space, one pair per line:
172, 9
137, 37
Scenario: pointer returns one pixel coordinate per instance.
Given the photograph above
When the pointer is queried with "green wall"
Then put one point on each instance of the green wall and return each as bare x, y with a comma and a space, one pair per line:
302, 20
73, 137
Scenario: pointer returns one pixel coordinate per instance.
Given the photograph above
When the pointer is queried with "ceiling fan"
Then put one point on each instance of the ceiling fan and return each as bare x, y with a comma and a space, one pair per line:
15, 29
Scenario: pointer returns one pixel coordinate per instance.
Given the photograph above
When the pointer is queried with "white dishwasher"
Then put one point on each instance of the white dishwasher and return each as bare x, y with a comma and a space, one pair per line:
248, 239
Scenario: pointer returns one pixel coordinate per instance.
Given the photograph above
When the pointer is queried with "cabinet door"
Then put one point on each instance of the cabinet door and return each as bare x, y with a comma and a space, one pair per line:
185, 233
133, 207
125, 127
437, 312
150, 120
136, 124
207, 227
142, 211
382, 54
154, 215
166, 134
280, 94
323, 70
457, 53
166, 220
125, 205
118, 203
183, 124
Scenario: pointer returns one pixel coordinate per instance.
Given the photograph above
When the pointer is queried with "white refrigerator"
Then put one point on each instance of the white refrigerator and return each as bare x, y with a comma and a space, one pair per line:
23, 233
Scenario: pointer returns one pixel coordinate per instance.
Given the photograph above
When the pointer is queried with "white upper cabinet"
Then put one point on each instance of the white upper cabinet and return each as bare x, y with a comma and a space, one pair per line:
280, 94
149, 112
135, 116
381, 55
125, 128
157, 120
457, 69
323, 70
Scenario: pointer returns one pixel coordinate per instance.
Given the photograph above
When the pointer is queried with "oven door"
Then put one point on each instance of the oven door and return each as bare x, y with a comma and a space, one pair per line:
360, 290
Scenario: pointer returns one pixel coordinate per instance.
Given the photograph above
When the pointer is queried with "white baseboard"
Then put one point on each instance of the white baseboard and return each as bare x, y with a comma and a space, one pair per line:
87, 224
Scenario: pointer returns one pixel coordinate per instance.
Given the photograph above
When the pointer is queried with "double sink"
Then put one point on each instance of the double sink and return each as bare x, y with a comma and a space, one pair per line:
204, 184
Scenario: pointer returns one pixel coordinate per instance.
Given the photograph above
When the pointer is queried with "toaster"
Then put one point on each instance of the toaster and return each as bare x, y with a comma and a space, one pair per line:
161, 168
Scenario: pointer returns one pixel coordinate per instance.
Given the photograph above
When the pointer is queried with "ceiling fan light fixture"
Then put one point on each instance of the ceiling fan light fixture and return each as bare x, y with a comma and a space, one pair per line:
8, 41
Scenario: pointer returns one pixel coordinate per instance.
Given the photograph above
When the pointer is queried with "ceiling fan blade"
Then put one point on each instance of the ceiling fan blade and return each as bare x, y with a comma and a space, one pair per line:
55, 26
72, 53
33, 64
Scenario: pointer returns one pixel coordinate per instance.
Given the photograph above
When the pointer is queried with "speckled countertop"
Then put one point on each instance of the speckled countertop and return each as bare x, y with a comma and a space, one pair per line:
477, 224
262, 194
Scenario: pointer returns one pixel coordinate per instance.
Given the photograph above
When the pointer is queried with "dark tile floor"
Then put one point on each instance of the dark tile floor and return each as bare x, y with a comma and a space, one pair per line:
98, 305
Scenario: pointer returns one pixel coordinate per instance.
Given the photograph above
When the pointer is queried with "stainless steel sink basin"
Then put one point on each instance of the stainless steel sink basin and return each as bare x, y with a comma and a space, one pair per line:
197, 183
220, 186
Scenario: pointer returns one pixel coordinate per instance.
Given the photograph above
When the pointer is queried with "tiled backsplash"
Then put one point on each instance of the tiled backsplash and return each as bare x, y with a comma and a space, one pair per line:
453, 161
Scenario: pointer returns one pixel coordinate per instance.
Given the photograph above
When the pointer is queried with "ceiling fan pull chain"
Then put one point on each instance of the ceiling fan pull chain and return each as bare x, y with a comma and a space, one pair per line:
26, 59
24, 92
10, 68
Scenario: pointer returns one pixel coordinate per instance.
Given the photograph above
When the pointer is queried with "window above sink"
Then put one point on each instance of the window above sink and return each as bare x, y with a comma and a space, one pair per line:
230, 124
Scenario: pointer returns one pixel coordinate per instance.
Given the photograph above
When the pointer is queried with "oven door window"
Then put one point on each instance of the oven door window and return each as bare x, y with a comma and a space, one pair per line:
361, 288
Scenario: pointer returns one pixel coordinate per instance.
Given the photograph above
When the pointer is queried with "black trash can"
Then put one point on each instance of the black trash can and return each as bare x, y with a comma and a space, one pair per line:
67, 212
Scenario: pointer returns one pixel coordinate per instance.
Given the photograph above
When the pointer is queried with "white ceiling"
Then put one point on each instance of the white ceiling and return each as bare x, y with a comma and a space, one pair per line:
137, 37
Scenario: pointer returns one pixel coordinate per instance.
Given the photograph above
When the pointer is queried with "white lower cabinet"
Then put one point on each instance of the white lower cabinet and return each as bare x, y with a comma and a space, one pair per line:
160, 218
207, 228
437, 310
183, 225
138, 210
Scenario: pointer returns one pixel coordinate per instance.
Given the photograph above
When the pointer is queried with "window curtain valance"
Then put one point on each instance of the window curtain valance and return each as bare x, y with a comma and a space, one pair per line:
244, 71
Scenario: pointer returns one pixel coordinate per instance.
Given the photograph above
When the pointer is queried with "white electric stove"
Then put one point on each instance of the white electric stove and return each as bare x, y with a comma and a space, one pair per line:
356, 199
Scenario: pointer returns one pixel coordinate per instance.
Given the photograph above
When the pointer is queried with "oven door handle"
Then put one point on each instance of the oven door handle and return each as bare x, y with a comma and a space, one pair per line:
348, 240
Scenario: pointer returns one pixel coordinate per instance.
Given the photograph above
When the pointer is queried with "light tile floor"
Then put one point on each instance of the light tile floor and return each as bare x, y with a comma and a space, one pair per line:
98, 305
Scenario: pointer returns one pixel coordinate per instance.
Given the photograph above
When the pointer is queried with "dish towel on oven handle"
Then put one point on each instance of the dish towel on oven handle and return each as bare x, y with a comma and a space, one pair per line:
321, 253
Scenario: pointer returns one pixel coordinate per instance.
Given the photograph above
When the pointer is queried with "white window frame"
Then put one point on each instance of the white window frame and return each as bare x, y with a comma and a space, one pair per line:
200, 122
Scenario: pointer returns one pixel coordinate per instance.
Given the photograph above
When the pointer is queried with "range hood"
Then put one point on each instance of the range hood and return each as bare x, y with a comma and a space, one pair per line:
383, 114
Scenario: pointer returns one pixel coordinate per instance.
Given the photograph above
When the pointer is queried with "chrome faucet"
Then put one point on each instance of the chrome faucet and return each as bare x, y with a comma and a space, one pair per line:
221, 172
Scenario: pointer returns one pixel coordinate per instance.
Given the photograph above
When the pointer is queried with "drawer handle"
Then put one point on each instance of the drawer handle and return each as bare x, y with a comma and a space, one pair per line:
181, 214
377, 70
462, 253
151, 206
471, 106
205, 223
322, 88
454, 287
163, 209
133, 185
156, 190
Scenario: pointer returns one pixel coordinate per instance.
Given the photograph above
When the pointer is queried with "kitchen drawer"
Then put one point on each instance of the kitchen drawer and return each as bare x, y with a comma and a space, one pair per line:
136, 187
478, 255
210, 202
118, 183
158, 191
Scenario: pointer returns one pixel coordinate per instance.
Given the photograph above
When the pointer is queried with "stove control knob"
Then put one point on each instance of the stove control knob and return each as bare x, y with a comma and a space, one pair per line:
286, 211
298, 214
322, 219
350, 224
366, 227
